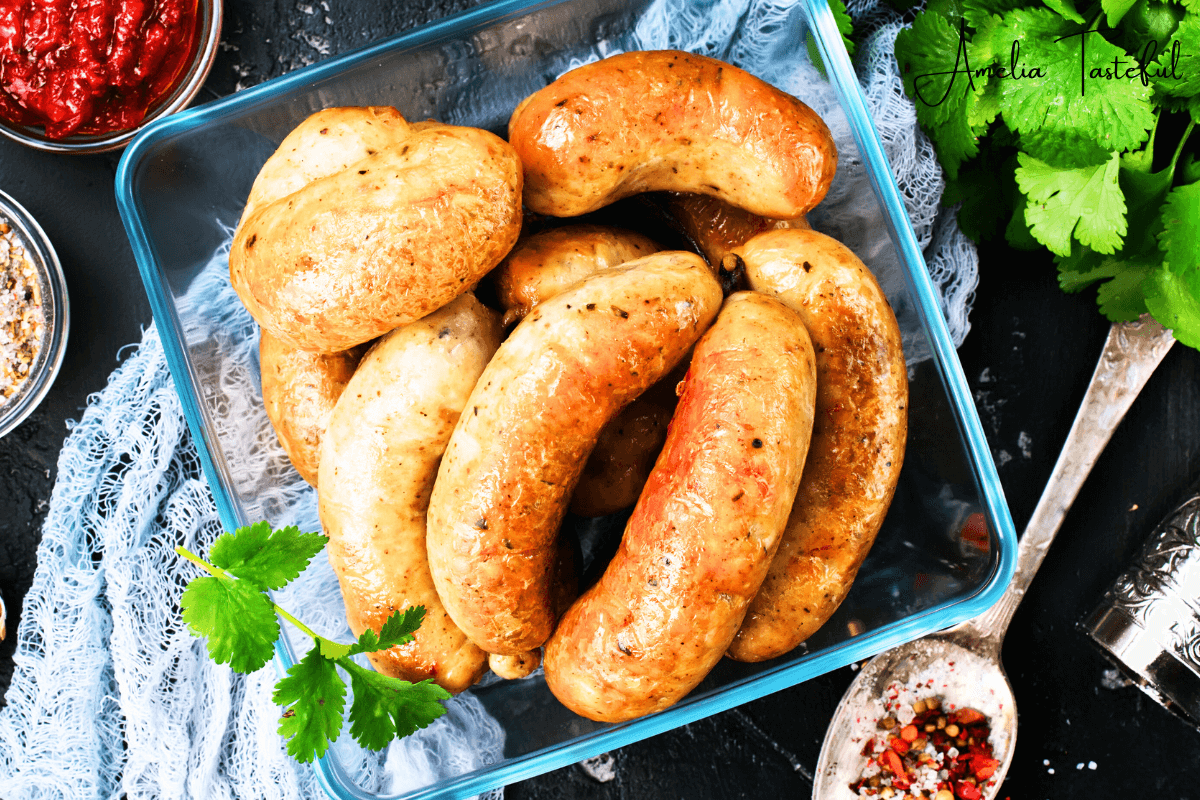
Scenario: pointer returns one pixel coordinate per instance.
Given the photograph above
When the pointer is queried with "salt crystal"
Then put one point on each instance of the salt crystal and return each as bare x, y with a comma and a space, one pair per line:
1091, 765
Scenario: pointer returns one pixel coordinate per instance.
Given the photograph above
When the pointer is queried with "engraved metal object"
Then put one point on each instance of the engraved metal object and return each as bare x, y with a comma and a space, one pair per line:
1149, 620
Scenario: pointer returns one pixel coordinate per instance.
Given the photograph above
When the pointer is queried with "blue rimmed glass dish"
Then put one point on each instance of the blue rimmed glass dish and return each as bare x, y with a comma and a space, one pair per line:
181, 186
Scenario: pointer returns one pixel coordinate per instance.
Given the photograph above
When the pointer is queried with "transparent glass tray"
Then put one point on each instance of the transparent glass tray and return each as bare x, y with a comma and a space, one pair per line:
181, 186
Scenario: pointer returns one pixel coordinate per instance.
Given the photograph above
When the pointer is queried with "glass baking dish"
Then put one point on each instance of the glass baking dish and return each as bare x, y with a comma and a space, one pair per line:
181, 186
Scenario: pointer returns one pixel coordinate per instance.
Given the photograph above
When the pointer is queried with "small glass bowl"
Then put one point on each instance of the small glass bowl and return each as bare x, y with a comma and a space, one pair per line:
208, 24
52, 288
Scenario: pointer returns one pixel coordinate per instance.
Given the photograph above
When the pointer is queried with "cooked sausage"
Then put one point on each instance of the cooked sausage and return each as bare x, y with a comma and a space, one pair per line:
550, 261
714, 226
541, 267
703, 532
646, 121
326, 142
516, 454
385, 241
378, 462
858, 438
300, 389
625, 451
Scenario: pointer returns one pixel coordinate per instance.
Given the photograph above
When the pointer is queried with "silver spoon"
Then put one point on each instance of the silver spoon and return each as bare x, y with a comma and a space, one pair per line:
1130, 355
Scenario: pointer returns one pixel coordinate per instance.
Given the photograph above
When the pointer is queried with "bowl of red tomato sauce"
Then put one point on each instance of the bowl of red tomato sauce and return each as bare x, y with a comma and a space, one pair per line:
86, 77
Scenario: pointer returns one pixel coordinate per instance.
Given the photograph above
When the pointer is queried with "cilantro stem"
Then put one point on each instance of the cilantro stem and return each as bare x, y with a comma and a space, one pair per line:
220, 573
1179, 148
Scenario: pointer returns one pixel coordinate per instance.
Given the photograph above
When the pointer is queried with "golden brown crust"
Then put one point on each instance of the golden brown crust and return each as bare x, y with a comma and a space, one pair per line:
858, 439
703, 532
647, 121
378, 464
300, 389
550, 261
513, 460
398, 234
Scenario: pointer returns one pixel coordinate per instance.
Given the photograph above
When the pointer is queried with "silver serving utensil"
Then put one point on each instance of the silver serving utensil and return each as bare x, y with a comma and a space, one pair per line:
1130, 355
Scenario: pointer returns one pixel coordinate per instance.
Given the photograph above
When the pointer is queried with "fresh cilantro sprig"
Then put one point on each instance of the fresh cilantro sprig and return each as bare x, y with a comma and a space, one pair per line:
1045, 116
231, 609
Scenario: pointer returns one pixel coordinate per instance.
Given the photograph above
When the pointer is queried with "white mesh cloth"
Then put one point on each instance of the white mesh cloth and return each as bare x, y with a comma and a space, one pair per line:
112, 698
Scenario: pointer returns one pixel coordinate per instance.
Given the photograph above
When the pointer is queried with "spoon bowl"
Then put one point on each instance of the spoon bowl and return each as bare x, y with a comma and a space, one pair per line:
903, 675
962, 664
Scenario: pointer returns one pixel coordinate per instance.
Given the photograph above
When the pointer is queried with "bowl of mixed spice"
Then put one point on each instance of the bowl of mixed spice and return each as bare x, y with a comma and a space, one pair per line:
34, 314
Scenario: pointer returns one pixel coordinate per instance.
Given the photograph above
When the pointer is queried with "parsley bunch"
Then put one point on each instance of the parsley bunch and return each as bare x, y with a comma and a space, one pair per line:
232, 610
1044, 114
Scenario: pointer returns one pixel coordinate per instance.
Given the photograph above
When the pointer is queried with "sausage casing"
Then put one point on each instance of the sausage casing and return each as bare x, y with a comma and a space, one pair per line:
516, 454
396, 235
703, 532
550, 261
378, 463
647, 121
300, 389
858, 438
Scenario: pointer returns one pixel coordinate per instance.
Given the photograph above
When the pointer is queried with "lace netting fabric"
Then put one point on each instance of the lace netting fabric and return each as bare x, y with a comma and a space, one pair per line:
112, 697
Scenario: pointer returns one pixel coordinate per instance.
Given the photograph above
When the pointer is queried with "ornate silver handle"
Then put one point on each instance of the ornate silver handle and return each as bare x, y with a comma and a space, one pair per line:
1130, 355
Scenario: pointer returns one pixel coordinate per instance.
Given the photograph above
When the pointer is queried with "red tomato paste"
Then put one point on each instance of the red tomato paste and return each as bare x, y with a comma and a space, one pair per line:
90, 66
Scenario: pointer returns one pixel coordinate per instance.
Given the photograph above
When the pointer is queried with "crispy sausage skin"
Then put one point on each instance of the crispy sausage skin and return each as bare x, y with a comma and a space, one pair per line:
647, 121
548, 262
703, 532
516, 454
395, 235
858, 438
541, 267
300, 389
378, 463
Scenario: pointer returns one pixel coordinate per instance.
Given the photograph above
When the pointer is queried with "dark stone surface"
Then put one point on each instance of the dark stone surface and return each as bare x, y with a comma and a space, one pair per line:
1028, 358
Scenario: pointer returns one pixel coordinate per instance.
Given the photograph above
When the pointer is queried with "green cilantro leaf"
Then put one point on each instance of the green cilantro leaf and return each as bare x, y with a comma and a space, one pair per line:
385, 708
1049, 90
1114, 9
1121, 299
1173, 74
1066, 8
978, 12
1174, 300
1086, 202
397, 629
845, 25
1180, 238
313, 696
267, 559
236, 618
937, 69
1064, 148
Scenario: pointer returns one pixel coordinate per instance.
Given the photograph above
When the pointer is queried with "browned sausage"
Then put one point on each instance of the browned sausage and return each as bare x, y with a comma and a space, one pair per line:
378, 463
300, 389
647, 121
714, 226
550, 261
625, 452
703, 532
514, 459
382, 242
858, 438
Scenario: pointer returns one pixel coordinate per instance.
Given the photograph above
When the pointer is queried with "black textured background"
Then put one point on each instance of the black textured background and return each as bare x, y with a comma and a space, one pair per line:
1028, 358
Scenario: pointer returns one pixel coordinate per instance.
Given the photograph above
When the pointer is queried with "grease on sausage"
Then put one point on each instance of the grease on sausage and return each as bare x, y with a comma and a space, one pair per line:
858, 437
703, 532
647, 121
378, 462
533, 419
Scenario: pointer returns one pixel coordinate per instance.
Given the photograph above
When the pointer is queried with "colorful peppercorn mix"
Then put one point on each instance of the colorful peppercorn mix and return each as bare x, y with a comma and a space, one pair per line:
943, 753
